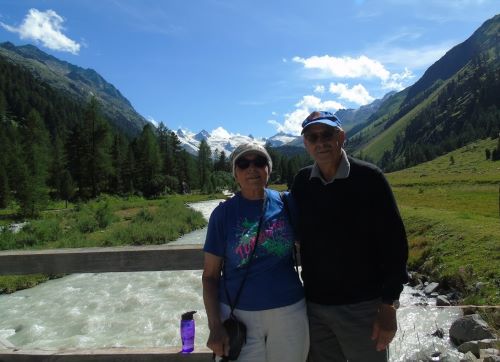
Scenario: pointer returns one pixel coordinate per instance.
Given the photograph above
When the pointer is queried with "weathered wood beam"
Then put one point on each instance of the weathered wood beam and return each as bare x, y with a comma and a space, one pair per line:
106, 355
102, 260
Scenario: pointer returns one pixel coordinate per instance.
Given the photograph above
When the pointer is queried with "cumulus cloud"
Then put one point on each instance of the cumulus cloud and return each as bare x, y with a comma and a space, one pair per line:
45, 27
345, 67
357, 94
319, 89
293, 121
397, 80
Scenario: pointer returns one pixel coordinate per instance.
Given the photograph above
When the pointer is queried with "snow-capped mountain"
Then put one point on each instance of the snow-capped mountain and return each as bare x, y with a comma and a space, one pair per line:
221, 140
281, 139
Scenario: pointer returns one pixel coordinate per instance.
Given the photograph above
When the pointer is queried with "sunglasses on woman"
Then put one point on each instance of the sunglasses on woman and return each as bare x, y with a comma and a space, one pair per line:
244, 163
325, 136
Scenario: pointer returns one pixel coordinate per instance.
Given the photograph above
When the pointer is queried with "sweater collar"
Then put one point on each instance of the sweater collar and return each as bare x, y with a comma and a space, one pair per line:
342, 171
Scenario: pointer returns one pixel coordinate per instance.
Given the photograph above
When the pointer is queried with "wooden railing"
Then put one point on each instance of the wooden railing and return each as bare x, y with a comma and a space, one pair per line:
101, 260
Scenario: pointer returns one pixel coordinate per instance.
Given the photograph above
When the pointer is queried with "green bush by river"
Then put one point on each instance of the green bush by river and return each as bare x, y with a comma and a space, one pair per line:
106, 221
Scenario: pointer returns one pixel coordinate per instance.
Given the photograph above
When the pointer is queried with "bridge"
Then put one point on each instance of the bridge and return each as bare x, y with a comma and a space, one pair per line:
102, 260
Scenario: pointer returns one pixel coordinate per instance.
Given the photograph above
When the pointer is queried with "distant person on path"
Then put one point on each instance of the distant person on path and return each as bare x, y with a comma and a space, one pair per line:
249, 245
353, 248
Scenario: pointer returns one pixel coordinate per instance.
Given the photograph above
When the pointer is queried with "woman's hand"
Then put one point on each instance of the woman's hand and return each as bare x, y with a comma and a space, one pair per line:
218, 340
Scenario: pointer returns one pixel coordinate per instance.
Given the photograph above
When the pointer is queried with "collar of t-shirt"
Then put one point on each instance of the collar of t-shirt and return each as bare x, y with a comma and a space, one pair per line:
342, 171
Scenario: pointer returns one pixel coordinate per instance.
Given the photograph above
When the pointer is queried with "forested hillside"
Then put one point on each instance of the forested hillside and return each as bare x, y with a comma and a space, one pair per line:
75, 83
454, 103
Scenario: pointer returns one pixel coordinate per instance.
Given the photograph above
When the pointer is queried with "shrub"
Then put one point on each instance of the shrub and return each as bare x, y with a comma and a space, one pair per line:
86, 223
103, 215
143, 216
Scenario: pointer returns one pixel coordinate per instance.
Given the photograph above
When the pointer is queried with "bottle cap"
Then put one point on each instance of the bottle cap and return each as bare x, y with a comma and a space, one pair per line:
188, 315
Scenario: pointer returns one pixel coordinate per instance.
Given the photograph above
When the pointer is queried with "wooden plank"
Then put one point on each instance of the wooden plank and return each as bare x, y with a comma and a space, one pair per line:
102, 260
107, 355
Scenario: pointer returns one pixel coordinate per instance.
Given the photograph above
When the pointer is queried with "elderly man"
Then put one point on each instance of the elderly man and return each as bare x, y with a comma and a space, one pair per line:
353, 248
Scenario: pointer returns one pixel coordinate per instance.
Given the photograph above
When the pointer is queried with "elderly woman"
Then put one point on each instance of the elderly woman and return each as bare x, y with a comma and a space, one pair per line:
249, 269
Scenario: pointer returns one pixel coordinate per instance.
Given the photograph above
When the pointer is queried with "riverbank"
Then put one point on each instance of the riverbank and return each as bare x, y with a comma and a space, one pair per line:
107, 221
450, 207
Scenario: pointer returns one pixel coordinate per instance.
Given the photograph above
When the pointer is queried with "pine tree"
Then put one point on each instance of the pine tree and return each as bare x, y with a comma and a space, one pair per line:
4, 186
174, 152
57, 165
89, 152
4, 179
118, 160
67, 188
204, 164
33, 195
148, 161
222, 163
99, 166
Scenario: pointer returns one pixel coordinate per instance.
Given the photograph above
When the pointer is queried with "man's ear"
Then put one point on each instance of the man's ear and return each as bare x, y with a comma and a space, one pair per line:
341, 139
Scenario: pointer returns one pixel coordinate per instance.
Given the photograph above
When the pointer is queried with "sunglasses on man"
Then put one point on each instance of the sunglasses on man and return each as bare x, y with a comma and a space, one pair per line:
325, 136
244, 163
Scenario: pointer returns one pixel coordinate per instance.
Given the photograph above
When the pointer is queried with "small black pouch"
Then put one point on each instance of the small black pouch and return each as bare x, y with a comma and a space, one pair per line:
237, 332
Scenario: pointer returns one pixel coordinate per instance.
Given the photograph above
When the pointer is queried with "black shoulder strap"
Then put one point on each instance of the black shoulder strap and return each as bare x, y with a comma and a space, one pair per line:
231, 304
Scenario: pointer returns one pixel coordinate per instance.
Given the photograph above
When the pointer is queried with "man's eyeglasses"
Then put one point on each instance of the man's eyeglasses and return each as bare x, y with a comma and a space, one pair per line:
244, 163
325, 136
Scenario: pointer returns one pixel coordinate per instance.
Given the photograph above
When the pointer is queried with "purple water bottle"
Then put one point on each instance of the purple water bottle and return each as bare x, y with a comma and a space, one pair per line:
187, 332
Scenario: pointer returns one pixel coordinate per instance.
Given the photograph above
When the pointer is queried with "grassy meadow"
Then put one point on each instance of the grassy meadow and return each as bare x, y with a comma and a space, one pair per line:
107, 221
450, 207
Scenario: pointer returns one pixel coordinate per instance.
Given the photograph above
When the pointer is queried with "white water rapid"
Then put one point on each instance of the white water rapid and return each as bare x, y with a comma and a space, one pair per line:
143, 309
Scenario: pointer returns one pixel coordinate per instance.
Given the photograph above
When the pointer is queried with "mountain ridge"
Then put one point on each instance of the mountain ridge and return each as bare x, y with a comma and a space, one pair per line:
77, 82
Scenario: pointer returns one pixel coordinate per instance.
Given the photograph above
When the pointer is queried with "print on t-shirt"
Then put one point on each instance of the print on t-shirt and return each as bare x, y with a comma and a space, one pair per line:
274, 239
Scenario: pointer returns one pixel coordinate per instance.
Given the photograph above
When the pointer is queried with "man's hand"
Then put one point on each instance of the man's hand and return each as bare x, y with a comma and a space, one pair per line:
218, 340
385, 326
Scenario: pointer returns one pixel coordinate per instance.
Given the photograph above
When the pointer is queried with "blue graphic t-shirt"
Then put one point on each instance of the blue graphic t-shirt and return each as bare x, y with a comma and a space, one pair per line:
272, 281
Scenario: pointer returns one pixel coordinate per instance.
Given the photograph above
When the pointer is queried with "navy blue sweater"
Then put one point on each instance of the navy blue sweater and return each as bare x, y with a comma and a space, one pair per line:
353, 241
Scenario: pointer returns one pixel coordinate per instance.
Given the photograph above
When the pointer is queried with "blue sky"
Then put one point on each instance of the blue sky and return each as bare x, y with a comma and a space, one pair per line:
246, 67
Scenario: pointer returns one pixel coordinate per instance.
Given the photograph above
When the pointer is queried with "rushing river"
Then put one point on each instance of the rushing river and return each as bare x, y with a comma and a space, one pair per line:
143, 309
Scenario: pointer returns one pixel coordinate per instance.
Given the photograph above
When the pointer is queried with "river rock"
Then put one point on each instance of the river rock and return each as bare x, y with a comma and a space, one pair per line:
431, 287
471, 346
489, 353
442, 301
469, 357
469, 328
491, 359
487, 343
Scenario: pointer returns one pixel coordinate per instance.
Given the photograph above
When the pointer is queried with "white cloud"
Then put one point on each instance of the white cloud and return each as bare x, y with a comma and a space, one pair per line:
45, 27
345, 67
413, 58
357, 94
292, 123
312, 102
319, 89
397, 80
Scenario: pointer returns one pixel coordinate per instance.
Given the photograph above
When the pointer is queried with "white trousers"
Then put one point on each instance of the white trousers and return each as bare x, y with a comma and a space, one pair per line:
274, 335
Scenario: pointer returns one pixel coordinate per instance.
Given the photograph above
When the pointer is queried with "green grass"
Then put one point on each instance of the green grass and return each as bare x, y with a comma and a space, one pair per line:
451, 212
107, 221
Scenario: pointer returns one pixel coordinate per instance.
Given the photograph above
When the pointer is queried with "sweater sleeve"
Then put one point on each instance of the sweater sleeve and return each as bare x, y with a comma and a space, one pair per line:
394, 244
